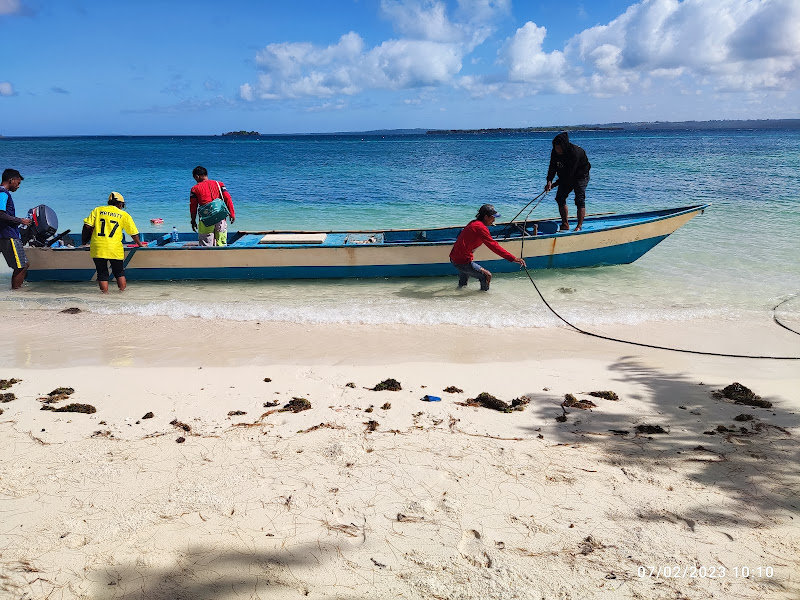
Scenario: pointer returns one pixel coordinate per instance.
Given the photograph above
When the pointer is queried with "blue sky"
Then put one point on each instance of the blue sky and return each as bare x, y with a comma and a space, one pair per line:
171, 67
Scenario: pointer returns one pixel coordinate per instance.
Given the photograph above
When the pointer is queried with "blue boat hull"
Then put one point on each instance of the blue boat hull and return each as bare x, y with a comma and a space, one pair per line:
613, 240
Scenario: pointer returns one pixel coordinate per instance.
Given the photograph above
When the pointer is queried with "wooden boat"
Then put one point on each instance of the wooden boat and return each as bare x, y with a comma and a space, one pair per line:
604, 240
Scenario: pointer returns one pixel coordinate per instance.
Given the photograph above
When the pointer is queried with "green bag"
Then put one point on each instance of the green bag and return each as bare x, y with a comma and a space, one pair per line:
213, 212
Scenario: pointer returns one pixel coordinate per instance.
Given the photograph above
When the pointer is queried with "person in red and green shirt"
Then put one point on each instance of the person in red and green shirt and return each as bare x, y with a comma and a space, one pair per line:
207, 190
473, 236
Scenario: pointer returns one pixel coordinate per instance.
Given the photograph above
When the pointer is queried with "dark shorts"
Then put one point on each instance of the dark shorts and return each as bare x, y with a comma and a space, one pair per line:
579, 187
470, 269
14, 252
101, 264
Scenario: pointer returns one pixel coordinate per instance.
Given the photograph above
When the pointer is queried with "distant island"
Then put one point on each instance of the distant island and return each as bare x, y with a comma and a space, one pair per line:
753, 124
242, 133
527, 129
639, 126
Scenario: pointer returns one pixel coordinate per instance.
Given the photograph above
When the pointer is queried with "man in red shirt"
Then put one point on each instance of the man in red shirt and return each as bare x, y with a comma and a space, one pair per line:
204, 192
472, 237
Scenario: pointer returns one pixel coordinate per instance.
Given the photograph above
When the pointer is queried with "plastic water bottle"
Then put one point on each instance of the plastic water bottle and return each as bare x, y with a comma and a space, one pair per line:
174, 234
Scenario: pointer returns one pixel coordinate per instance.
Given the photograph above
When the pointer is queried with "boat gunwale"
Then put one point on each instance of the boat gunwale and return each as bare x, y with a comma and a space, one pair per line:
641, 218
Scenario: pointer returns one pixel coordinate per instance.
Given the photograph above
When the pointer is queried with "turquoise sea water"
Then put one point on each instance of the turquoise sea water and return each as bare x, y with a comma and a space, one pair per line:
736, 261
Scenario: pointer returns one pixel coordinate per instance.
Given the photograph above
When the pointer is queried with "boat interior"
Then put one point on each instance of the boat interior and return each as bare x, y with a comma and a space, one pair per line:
499, 231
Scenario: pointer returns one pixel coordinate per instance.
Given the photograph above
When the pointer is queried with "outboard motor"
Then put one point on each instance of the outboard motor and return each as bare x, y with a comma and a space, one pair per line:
44, 223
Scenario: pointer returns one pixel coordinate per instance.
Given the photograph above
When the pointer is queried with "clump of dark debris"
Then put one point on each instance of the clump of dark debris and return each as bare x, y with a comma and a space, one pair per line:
58, 394
7, 383
743, 417
296, 405
270, 404
605, 395
390, 384
148, 416
7, 397
321, 426
267, 379
180, 440
572, 402
649, 429
74, 407
486, 400
236, 413
453, 390
386, 406
180, 425
371, 425
350, 384
589, 545
741, 394
73, 310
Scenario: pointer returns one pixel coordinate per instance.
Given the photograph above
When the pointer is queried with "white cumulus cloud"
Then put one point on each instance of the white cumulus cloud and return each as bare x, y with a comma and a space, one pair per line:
6, 89
429, 52
733, 45
687, 46
528, 63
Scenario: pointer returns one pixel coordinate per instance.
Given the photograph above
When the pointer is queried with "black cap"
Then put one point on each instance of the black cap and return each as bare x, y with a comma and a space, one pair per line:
10, 174
487, 210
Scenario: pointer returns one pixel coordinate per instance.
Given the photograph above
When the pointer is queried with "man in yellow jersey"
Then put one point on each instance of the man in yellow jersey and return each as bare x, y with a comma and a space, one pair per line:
104, 228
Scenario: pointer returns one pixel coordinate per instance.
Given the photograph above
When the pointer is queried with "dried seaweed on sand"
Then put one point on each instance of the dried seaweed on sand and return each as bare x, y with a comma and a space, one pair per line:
180, 425
649, 429
7, 383
741, 394
74, 407
486, 400
296, 405
390, 384
572, 402
58, 394
605, 395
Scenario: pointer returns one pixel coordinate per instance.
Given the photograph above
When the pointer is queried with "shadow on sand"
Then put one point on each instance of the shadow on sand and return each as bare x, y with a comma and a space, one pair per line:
207, 573
752, 462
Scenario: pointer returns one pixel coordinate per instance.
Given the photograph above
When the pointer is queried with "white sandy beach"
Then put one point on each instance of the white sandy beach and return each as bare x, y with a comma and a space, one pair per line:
379, 494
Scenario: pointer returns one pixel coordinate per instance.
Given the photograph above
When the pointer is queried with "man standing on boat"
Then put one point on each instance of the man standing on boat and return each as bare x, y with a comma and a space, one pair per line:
474, 235
102, 229
572, 166
10, 243
204, 192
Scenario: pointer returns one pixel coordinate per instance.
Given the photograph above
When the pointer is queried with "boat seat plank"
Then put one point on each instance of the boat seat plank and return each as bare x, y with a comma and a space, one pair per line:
293, 238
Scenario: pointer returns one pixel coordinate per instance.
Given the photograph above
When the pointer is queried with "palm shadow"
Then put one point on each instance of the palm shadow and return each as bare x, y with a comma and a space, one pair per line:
752, 462
208, 572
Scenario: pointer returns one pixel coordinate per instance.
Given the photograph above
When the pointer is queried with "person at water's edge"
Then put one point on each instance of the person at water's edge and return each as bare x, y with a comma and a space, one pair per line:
102, 230
570, 163
474, 235
10, 242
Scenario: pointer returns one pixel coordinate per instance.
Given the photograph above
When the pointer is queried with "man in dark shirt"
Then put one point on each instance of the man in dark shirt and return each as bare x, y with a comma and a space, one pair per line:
572, 166
10, 244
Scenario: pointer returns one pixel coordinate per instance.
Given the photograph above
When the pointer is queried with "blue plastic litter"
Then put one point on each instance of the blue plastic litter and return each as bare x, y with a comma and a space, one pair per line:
427, 398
